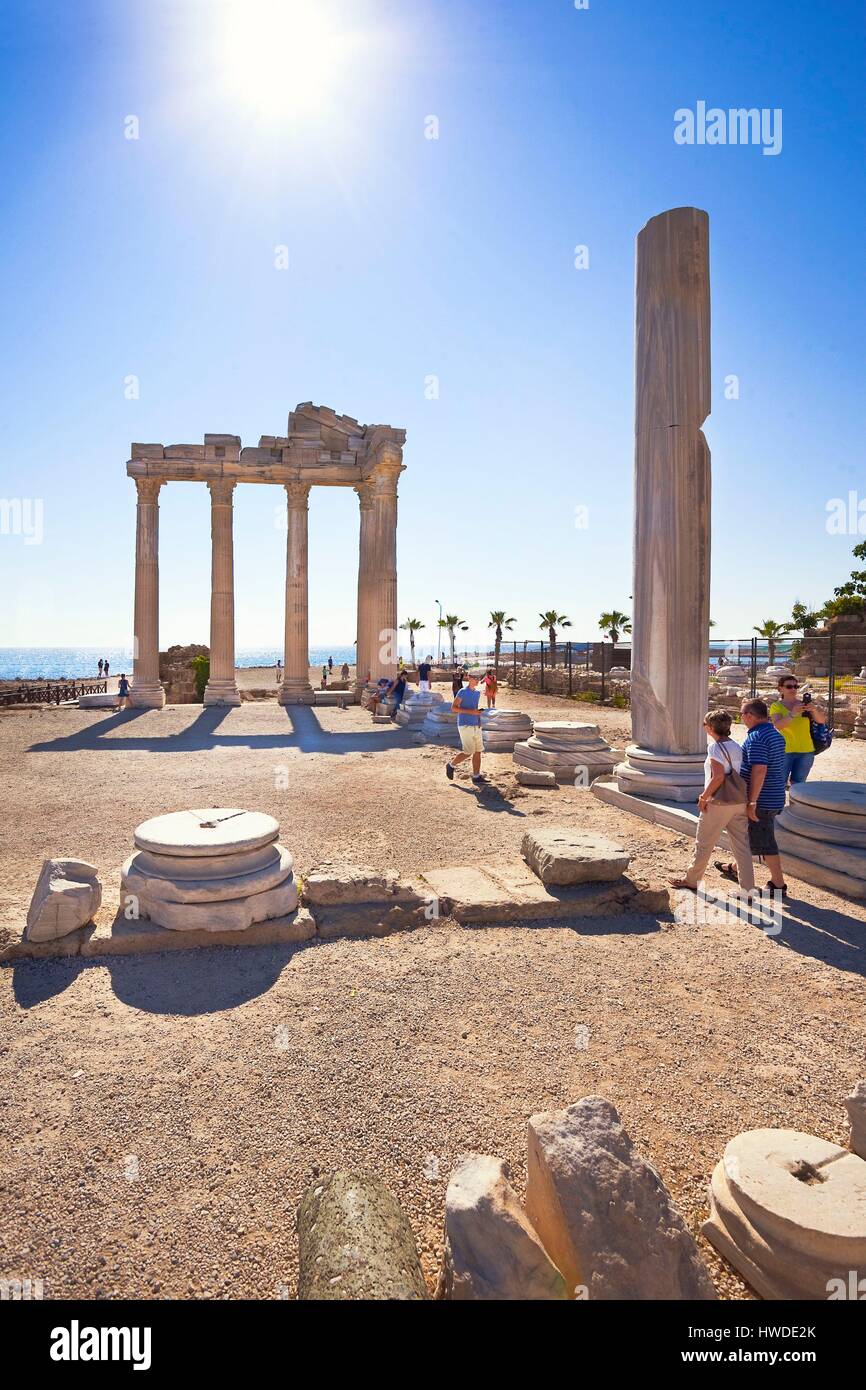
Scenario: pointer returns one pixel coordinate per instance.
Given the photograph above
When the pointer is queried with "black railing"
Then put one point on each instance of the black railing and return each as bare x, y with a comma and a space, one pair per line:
52, 692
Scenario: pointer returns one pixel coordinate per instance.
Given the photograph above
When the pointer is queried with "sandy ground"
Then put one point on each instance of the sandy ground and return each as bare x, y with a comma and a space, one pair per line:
163, 1114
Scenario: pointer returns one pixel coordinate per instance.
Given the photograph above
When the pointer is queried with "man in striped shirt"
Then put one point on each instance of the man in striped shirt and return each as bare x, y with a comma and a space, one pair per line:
763, 770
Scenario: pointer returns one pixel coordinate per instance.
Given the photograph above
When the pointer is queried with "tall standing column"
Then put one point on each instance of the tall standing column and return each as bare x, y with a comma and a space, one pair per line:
671, 595
296, 688
365, 651
221, 688
380, 542
146, 691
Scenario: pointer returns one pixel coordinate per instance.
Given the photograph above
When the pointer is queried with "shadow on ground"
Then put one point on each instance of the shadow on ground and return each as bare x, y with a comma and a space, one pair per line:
180, 983
303, 731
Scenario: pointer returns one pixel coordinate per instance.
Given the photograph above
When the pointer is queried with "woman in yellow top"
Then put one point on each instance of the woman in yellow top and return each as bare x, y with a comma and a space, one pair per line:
789, 714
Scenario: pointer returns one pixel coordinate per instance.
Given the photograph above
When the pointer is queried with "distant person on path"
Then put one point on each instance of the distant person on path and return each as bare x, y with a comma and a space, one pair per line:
330, 663
324, 676
105, 669
490, 684
763, 769
279, 670
457, 682
424, 669
466, 707
122, 691
344, 671
792, 717
724, 759
101, 664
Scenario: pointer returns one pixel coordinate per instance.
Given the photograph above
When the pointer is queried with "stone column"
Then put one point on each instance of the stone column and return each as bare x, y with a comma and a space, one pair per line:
671, 592
296, 688
146, 691
380, 542
365, 652
221, 688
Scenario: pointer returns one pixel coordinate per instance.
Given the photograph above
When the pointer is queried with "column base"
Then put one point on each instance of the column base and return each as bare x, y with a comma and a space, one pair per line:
295, 691
146, 695
661, 776
221, 692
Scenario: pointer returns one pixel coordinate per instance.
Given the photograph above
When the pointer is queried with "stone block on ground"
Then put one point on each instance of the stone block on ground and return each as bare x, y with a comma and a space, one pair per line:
491, 1250
788, 1210
562, 856
535, 777
509, 892
67, 895
855, 1104
351, 900
603, 1213
354, 1242
568, 749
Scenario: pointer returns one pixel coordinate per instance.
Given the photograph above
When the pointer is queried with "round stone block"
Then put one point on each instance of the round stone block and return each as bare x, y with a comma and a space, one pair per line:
806, 1193
211, 866
216, 830
235, 914
839, 798
212, 888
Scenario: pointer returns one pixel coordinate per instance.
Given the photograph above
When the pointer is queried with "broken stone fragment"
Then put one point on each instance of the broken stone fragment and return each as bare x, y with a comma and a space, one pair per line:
563, 856
491, 1250
354, 1242
67, 895
855, 1104
603, 1213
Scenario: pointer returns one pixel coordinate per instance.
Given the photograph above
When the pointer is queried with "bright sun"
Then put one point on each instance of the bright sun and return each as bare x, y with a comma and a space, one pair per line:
281, 58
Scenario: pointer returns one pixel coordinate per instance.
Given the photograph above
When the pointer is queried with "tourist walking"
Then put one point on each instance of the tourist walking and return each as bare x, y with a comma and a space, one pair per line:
722, 806
101, 663
793, 718
424, 669
466, 707
279, 670
330, 663
105, 669
490, 687
763, 769
344, 671
122, 691
457, 682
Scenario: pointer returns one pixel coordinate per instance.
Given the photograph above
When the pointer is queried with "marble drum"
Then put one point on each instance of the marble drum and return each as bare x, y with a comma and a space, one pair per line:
218, 869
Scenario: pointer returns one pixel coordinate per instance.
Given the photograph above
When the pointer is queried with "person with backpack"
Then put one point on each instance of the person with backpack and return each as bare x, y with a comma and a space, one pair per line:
722, 806
795, 719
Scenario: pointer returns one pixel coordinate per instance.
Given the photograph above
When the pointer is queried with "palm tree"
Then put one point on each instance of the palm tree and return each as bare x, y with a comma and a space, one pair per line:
451, 623
614, 623
499, 621
772, 632
412, 625
551, 620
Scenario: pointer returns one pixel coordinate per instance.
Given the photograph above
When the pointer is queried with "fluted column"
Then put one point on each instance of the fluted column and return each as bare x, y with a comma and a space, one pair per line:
380, 623
671, 613
365, 651
296, 688
221, 688
146, 691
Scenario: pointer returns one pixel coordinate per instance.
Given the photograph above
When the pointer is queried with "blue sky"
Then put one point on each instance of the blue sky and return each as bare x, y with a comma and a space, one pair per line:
409, 258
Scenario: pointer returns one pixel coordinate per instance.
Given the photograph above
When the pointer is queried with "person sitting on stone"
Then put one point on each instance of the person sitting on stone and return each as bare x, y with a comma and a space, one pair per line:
397, 690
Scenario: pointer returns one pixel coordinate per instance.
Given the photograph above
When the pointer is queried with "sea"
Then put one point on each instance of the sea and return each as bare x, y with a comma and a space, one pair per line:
67, 663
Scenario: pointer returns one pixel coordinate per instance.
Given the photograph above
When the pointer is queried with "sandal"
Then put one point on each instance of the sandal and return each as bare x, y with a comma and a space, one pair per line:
727, 870
681, 883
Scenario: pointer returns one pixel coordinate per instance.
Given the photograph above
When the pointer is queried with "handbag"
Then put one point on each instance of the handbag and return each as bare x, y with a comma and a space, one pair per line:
822, 736
733, 791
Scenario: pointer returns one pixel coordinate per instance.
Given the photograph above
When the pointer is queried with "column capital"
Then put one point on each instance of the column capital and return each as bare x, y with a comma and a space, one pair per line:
298, 495
221, 490
383, 479
365, 494
148, 489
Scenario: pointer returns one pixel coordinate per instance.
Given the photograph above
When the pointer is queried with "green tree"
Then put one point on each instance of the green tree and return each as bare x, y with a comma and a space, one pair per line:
499, 621
201, 667
551, 620
772, 632
451, 623
412, 625
614, 623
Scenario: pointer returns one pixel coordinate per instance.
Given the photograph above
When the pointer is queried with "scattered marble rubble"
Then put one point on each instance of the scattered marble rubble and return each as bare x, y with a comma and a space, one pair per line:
66, 896
563, 746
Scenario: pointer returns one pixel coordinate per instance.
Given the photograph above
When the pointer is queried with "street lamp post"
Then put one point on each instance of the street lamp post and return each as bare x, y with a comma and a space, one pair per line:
439, 637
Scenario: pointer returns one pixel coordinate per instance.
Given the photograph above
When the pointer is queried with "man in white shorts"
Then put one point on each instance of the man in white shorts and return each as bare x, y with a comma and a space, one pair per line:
466, 707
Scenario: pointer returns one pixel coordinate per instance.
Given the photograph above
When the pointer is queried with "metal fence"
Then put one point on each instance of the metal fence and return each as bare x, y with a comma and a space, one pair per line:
580, 664
51, 692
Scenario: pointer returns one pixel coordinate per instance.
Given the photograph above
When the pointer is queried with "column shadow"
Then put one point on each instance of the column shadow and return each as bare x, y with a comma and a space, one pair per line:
303, 731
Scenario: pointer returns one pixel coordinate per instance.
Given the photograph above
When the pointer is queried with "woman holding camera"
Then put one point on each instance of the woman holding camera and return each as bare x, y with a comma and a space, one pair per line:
793, 718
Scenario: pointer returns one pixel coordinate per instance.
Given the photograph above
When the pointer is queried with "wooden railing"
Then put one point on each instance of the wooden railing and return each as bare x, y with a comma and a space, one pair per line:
52, 692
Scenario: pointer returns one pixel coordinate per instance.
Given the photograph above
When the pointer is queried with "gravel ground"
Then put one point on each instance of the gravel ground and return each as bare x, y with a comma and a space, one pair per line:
163, 1114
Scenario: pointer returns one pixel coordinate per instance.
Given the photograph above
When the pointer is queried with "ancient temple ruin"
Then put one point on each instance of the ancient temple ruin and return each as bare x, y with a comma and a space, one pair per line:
320, 448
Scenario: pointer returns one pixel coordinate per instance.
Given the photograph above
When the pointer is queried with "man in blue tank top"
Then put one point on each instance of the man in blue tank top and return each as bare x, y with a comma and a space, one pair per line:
466, 707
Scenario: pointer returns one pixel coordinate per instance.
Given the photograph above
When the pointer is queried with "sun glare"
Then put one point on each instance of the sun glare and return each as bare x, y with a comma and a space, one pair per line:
281, 58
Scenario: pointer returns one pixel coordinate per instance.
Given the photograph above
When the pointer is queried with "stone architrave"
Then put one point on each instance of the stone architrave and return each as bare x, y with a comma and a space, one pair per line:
296, 688
221, 688
671, 509
146, 692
